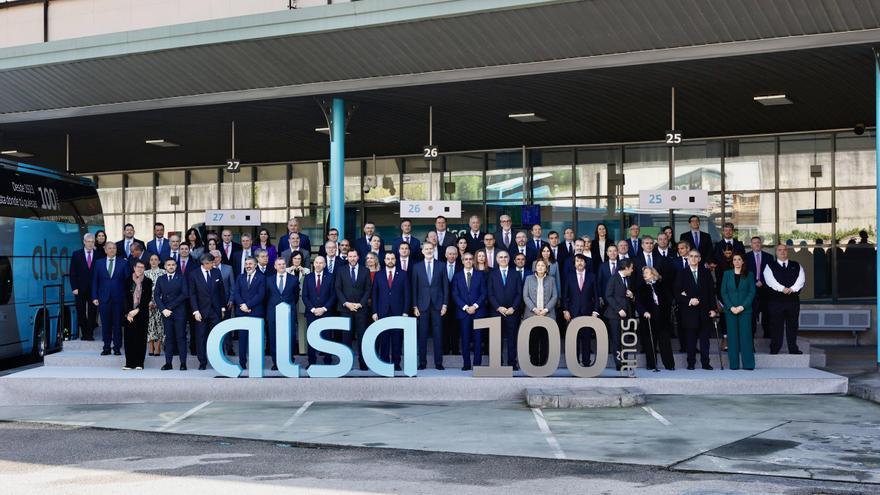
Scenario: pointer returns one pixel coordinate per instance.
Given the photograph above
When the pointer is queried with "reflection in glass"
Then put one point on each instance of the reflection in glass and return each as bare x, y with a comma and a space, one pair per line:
591, 171
384, 176
203, 190
504, 179
416, 180
752, 214
697, 166
793, 233
242, 189
466, 171
270, 189
749, 164
645, 167
797, 154
855, 163
307, 184
551, 173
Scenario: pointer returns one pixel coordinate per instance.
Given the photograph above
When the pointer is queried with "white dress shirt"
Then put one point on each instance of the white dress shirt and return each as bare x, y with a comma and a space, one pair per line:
771, 281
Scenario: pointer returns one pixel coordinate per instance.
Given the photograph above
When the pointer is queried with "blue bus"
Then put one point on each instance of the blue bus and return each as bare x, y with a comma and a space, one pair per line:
43, 216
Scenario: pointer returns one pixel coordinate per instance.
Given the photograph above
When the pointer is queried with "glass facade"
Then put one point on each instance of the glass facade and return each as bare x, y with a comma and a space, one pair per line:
759, 183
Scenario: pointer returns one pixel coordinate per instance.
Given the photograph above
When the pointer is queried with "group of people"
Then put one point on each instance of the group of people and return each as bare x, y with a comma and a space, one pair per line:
172, 291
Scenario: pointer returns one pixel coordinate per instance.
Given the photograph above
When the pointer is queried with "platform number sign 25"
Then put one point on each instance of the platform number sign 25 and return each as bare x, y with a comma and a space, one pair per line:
673, 137
430, 152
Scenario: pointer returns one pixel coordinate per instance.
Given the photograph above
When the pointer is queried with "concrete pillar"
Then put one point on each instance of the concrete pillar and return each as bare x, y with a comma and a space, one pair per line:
337, 166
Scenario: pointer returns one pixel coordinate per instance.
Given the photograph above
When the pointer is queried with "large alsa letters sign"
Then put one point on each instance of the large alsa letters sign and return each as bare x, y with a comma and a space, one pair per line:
253, 330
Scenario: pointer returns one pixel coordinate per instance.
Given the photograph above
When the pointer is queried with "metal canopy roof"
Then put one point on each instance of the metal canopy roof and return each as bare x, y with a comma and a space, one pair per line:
830, 88
354, 47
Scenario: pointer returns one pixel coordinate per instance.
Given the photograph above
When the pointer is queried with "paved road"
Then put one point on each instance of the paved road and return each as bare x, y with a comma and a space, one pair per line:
47, 459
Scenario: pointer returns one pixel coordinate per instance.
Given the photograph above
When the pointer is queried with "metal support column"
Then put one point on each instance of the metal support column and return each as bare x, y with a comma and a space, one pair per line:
877, 164
337, 166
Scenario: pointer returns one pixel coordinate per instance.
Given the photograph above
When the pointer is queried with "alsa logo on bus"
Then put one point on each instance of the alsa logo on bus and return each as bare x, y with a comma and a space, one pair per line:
48, 263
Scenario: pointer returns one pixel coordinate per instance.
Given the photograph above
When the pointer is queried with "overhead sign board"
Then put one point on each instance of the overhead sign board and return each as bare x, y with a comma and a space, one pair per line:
679, 199
430, 209
233, 218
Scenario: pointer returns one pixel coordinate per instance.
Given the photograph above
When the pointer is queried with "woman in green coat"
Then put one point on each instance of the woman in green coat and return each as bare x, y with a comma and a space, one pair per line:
737, 294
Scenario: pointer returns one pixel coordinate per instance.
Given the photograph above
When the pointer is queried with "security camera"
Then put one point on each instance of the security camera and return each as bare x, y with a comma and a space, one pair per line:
859, 129
367, 188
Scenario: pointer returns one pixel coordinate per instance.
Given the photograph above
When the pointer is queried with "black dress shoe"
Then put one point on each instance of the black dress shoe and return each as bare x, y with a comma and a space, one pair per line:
244, 366
274, 367
203, 367
708, 367
440, 367
363, 367
422, 366
231, 352
515, 367
670, 369
166, 367
105, 352
397, 367
774, 353
182, 367
690, 367
796, 351
117, 353
466, 368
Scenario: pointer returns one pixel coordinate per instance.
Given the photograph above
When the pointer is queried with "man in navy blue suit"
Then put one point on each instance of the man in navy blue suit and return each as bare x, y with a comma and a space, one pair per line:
362, 244
293, 227
281, 287
756, 261
505, 236
695, 293
607, 271
249, 299
319, 297
404, 257
207, 301
123, 247
82, 267
505, 300
171, 295
534, 245
519, 264
474, 236
159, 245
138, 254
108, 291
352, 297
430, 295
634, 242
579, 298
415, 247
240, 257
391, 297
469, 294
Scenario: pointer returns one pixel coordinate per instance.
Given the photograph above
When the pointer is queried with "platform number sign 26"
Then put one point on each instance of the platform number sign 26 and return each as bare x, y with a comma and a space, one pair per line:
430, 152
673, 137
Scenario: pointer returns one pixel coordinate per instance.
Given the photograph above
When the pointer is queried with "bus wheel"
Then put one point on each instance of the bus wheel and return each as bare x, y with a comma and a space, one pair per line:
41, 337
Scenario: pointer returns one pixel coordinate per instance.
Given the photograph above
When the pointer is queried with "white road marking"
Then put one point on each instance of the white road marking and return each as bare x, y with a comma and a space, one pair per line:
183, 416
299, 412
545, 429
657, 415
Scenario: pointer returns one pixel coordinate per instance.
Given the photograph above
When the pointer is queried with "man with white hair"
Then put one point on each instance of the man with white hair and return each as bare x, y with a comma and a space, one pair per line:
82, 264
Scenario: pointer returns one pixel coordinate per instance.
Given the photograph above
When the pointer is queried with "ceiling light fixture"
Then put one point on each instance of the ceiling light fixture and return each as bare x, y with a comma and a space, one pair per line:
16, 153
527, 117
773, 100
162, 143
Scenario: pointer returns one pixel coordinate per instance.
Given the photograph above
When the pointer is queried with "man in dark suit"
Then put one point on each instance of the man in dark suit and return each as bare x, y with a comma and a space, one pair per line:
663, 248
352, 295
695, 293
391, 297
173, 249
123, 247
634, 243
319, 297
239, 257
207, 302
469, 295
568, 268
159, 245
451, 341
619, 305
756, 261
294, 241
534, 245
519, 265
505, 300
82, 268
474, 236
404, 258
293, 227
108, 291
249, 299
362, 244
332, 235
560, 255
281, 287
430, 295
138, 254
567, 244
579, 298
185, 263
727, 239
444, 237
699, 240
415, 246
171, 295
505, 237
607, 271
227, 247
491, 250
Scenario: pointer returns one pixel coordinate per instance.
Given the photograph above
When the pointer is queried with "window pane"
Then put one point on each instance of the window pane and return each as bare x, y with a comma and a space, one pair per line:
459, 226
194, 218
855, 160
353, 184
710, 221
752, 214
749, 164
556, 215
143, 226
504, 179
650, 222
797, 154
274, 216
698, 166
856, 256
467, 174
242, 187
592, 212
645, 167
171, 193
307, 184
592, 170
270, 189
203, 190
110, 193
311, 221
139, 193
416, 179
113, 227
793, 233
175, 223
496, 209
551, 173
384, 178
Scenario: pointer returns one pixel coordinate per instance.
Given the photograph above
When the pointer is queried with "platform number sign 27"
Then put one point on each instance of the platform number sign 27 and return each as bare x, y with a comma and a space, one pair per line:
673, 137
233, 166
430, 152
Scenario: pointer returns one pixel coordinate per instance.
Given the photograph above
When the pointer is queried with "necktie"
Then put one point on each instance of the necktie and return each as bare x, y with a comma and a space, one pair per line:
635, 245
569, 247
353, 276
206, 276
110, 266
784, 264
467, 280
490, 259
250, 279
406, 239
128, 248
330, 267
430, 271
404, 264
390, 278
650, 261
758, 265
696, 278
684, 262
537, 244
507, 238
318, 284
581, 280
170, 278
228, 251
449, 271
89, 258
654, 295
696, 240
159, 245
183, 266
613, 267
474, 235
504, 277
280, 283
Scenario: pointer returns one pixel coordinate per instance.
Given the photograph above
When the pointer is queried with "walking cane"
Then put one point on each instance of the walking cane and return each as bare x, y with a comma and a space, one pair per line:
718, 336
653, 349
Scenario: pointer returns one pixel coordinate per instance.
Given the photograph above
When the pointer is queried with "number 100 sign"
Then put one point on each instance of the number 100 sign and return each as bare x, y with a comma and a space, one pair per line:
680, 199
